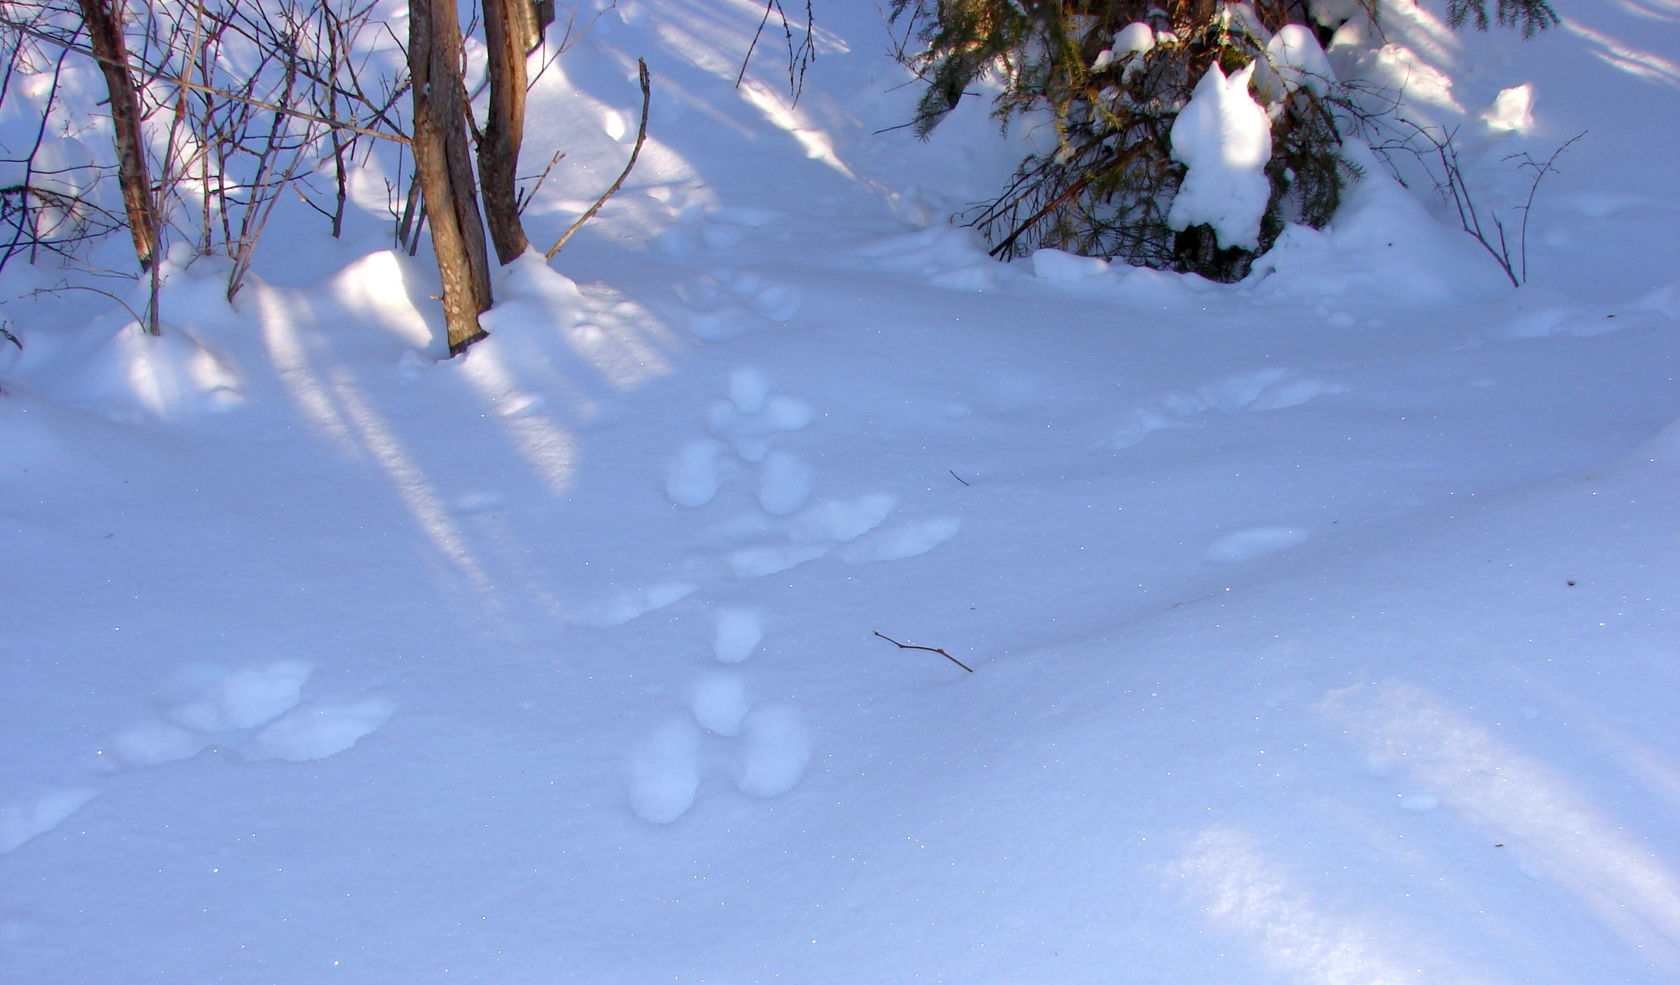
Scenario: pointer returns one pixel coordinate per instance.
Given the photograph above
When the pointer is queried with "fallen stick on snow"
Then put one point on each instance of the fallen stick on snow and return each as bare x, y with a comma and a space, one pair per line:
912, 646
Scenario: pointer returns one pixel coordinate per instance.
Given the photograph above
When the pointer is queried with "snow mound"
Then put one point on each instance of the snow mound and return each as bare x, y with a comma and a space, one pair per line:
130, 376
1060, 267
1382, 244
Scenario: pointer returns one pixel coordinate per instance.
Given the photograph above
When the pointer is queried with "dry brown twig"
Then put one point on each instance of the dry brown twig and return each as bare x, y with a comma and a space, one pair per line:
635, 152
200, 87
930, 649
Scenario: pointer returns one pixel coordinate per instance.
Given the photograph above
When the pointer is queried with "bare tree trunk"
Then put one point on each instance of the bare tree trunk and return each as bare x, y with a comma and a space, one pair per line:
104, 24
444, 163
511, 31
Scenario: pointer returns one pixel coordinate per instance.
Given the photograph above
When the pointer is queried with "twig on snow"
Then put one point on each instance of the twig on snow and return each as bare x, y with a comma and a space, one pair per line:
930, 649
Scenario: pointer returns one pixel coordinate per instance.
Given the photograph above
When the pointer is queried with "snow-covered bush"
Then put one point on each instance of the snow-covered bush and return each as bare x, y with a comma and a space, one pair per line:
1187, 135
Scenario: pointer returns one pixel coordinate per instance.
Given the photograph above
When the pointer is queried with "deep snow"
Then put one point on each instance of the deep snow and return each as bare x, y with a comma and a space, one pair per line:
1323, 626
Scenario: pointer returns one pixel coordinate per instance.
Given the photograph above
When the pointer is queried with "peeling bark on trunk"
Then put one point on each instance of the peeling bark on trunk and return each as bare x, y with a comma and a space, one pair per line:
104, 24
444, 161
511, 31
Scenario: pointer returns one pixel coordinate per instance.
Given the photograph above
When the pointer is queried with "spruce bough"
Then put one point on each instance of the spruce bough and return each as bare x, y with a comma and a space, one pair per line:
1114, 77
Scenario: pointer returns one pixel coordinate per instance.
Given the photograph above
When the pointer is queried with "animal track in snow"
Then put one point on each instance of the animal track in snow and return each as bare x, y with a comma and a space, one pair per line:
940, 255
839, 521
776, 302
739, 633
852, 526
725, 303
749, 432
1272, 388
770, 744
779, 302
747, 419
778, 750
774, 746
259, 713
784, 484
627, 605
716, 326
319, 729
901, 541
154, 743
1252, 543
720, 703
748, 389
768, 747
1234, 393
241, 699
756, 562
665, 773
713, 229
693, 479
23, 820
711, 310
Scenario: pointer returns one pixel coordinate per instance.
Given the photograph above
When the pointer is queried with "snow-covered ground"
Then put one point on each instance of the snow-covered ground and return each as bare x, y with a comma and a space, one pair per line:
1323, 627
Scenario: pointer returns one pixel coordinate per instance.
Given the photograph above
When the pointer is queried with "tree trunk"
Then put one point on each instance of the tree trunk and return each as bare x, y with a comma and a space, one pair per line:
104, 24
511, 31
444, 162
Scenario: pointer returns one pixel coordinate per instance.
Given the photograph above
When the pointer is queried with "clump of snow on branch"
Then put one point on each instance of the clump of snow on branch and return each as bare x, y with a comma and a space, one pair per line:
1133, 39
1294, 60
1225, 138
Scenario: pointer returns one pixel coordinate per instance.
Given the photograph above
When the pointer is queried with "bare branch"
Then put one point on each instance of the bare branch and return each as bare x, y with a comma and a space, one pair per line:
641, 135
930, 649
200, 87
800, 56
